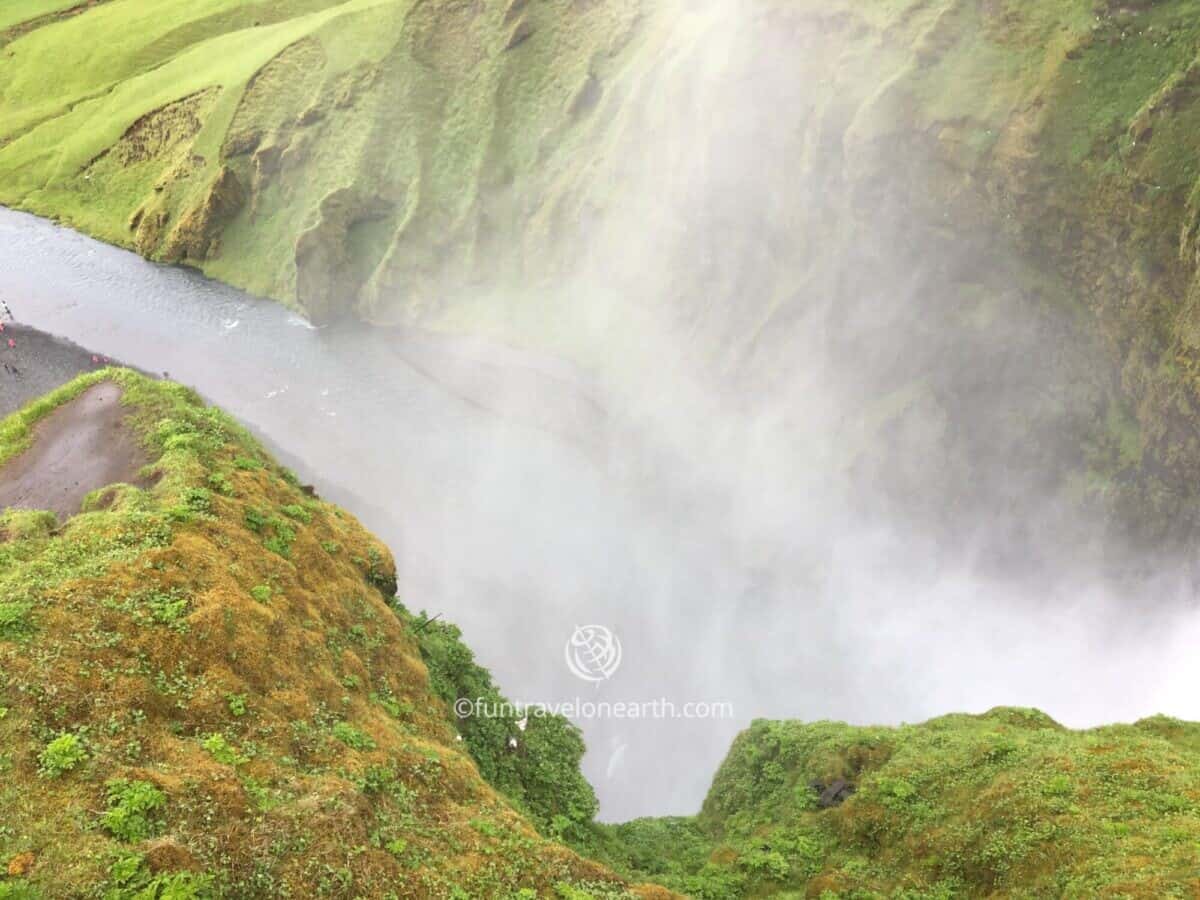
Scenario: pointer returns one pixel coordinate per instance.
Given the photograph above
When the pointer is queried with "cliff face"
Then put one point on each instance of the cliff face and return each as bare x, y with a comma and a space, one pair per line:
207, 688
347, 157
890, 193
1069, 128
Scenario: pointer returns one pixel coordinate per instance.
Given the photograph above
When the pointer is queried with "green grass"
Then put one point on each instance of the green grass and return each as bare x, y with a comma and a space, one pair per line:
380, 122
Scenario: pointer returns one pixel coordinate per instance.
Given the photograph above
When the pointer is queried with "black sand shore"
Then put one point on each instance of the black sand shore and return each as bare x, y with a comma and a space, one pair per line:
38, 363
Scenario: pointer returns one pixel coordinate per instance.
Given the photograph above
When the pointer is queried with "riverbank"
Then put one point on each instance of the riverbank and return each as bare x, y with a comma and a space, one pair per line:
33, 363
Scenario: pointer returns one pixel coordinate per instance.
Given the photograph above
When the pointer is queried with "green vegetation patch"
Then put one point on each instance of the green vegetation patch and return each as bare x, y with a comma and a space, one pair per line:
189, 711
1008, 803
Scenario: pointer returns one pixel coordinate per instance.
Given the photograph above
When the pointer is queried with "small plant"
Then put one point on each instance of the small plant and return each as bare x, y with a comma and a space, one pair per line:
297, 512
377, 573
254, 519
198, 500
278, 546
134, 809
352, 737
261, 593
1058, 786
265, 799
331, 547
61, 755
131, 877
486, 828
14, 619
397, 709
768, 864
237, 705
221, 484
18, 890
221, 750
246, 464
167, 607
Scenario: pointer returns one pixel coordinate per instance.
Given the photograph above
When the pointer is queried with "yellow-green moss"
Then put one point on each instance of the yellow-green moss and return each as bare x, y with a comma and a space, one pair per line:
162, 727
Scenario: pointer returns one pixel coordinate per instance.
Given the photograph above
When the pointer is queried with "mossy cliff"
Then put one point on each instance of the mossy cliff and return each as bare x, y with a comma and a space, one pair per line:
592, 176
343, 155
1007, 804
1066, 131
208, 689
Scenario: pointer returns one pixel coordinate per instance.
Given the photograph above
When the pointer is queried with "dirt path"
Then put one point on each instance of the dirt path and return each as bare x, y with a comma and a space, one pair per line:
81, 446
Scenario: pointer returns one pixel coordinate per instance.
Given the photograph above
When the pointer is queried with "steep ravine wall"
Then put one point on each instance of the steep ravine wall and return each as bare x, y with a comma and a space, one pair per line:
741, 188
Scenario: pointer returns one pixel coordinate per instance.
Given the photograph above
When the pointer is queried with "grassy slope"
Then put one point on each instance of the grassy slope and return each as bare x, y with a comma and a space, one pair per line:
205, 691
373, 125
1007, 804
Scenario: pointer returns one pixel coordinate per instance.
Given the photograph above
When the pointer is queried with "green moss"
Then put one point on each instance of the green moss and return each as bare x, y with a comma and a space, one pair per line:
132, 634
543, 778
1004, 804
352, 737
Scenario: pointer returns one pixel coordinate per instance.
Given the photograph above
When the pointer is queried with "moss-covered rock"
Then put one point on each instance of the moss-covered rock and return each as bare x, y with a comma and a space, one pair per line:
1006, 804
207, 688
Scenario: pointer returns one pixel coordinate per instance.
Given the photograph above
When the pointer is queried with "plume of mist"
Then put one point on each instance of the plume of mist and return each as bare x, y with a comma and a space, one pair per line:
842, 442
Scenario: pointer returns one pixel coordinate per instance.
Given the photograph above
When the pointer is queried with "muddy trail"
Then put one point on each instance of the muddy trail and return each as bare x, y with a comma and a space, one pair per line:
82, 446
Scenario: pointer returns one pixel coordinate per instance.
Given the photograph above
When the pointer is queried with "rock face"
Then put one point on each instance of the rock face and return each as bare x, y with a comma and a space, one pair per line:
835, 793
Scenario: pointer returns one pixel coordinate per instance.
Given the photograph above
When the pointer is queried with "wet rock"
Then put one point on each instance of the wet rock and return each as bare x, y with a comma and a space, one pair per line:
835, 793
196, 236
328, 277
586, 97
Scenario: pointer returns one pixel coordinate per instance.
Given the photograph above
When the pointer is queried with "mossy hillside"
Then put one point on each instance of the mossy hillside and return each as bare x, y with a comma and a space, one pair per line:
472, 167
1006, 804
206, 690
321, 152
541, 774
